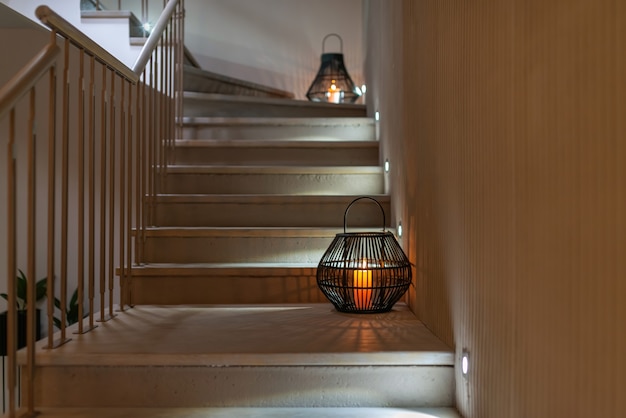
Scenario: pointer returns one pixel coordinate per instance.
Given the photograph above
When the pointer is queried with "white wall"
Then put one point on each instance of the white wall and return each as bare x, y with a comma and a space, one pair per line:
274, 42
111, 34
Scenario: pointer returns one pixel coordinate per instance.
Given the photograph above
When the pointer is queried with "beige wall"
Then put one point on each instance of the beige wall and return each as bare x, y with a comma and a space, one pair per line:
508, 172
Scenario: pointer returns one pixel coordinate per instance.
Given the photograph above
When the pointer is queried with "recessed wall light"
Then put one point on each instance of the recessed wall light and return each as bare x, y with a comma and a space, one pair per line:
399, 229
377, 116
387, 165
465, 366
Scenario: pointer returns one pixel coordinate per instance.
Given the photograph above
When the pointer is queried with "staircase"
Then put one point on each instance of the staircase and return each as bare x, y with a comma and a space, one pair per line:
227, 317
256, 197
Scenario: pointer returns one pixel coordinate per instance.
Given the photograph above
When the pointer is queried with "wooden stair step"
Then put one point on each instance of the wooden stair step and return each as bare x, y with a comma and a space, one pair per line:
298, 180
225, 283
321, 129
208, 412
266, 210
200, 104
296, 355
237, 244
268, 152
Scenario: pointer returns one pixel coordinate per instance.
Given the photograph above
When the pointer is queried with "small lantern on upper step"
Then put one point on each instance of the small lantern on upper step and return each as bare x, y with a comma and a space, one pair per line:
364, 272
332, 83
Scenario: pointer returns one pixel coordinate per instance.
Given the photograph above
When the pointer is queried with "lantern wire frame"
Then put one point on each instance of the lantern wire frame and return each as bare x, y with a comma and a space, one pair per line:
332, 82
364, 272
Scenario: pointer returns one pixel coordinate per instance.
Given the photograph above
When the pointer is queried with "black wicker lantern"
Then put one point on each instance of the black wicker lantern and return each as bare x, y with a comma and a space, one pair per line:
333, 83
364, 272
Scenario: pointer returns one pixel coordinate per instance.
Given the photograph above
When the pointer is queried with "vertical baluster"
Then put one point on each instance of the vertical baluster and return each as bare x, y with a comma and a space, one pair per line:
179, 61
91, 129
122, 195
52, 82
129, 197
111, 235
139, 161
160, 51
151, 134
80, 256
32, 237
144, 16
143, 164
166, 93
104, 106
64, 188
11, 264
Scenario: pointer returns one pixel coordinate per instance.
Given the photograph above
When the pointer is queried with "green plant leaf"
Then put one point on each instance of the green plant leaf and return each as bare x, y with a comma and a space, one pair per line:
71, 312
21, 294
40, 289
74, 298
22, 287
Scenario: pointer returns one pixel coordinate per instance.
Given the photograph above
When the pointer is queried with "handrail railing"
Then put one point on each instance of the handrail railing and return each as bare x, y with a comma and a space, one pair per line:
154, 38
64, 28
100, 132
26, 78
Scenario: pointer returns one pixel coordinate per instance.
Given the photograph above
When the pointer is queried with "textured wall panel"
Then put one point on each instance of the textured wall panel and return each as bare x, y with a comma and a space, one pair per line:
509, 175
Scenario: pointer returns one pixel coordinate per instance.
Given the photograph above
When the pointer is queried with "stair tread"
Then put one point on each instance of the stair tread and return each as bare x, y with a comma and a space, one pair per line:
311, 334
277, 121
267, 198
283, 412
273, 169
239, 231
269, 101
268, 143
224, 269
195, 77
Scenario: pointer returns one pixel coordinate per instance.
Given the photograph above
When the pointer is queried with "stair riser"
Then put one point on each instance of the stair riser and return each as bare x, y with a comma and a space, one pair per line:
198, 107
256, 249
266, 214
315, 156
364, 132
277, 386
226, 289
274, 183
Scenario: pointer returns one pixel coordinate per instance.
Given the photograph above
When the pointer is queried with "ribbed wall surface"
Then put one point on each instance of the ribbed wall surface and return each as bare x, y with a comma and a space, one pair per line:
508, 167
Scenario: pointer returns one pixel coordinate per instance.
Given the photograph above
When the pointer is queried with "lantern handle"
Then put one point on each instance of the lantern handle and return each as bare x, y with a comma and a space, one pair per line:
326, 37
345, 215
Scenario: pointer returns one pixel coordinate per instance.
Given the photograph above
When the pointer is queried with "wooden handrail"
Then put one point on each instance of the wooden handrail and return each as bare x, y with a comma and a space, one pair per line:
155, 37
69, 31
26, 78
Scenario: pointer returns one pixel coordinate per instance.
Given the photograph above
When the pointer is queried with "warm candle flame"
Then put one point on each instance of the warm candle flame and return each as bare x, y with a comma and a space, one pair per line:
363, 286
333, 94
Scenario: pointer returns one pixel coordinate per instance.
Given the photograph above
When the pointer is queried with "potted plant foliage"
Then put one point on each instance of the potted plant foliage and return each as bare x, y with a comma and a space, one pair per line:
71, 312
22, 303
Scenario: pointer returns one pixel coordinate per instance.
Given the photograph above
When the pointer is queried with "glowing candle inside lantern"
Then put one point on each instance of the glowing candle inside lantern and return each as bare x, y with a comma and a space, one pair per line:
333, 93
363, 287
